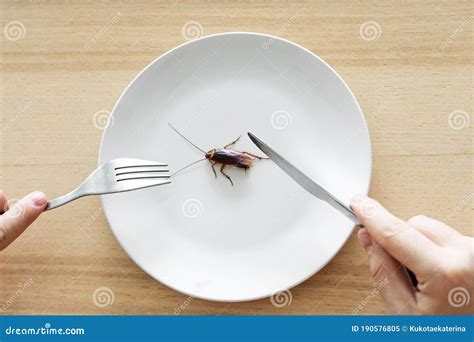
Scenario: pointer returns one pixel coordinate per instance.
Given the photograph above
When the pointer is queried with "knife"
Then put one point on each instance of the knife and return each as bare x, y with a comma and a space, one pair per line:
306, 182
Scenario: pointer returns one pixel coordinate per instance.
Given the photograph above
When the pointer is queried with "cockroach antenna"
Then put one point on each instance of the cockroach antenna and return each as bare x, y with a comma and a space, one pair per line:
185, 167
189, 141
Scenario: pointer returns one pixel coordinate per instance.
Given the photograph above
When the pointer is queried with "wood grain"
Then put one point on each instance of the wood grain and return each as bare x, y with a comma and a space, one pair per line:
76, 57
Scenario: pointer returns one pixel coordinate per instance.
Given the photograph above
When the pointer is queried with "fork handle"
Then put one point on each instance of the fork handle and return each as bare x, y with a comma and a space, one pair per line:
57, 202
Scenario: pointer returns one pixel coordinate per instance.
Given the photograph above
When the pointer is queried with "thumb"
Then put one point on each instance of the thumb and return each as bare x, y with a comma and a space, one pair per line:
16, 219
390, 278
402, 241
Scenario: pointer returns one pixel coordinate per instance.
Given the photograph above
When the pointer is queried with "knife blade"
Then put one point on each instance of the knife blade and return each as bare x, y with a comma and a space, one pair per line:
303, 180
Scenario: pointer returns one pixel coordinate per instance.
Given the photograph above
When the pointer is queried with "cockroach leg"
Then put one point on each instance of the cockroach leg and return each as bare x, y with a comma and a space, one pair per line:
222, 171
232, 143
254, 156
214, 170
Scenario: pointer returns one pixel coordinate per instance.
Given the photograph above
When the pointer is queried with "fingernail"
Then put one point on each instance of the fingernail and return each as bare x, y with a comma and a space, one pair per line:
38, 199
365, 239
357, 200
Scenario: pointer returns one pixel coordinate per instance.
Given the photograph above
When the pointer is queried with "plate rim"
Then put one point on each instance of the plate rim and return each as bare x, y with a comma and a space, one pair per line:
249, 33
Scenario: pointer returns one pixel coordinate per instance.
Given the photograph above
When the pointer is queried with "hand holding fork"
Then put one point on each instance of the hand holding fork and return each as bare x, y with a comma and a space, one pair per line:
118, 175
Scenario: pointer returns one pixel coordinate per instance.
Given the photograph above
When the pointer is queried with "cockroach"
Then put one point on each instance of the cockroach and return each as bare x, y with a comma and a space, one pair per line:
225, 156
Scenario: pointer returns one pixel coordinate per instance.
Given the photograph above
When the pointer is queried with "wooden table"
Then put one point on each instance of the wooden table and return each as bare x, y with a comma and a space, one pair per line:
409, 65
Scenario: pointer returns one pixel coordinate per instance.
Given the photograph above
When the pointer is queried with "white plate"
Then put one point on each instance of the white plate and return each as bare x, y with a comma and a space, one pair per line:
201, 236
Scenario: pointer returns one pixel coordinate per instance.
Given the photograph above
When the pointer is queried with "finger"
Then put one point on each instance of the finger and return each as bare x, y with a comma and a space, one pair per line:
403, 242
438, 232
365, 238
20, 216
390, 277
3, 202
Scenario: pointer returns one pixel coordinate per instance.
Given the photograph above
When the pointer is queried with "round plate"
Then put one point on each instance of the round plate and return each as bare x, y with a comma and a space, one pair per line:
201, 236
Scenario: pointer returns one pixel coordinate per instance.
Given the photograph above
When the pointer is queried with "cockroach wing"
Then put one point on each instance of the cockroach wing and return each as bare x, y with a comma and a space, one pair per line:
231, 157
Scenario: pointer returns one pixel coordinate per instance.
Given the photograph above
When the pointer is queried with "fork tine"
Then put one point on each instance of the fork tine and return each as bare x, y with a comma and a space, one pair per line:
134, 184
124, 163
138, 166
126, 171
134, 177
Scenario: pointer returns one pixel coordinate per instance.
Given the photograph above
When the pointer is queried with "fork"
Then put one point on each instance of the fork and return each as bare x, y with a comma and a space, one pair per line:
117, 175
